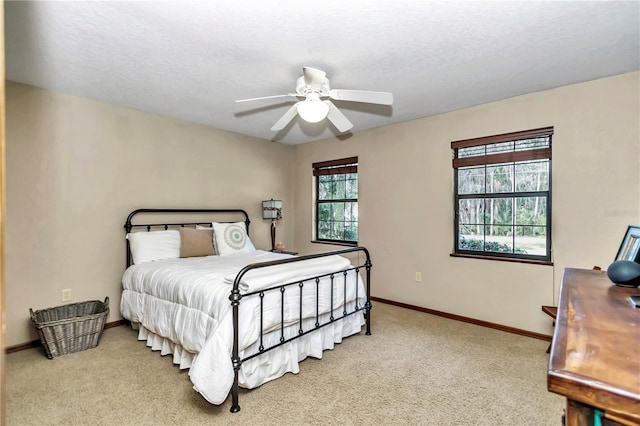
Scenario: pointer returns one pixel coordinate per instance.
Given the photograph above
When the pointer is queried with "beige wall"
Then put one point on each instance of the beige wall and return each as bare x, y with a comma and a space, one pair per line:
406, 201
76, 168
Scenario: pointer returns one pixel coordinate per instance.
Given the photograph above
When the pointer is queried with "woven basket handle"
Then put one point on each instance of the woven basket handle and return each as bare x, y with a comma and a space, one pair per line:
33, 315
106, 300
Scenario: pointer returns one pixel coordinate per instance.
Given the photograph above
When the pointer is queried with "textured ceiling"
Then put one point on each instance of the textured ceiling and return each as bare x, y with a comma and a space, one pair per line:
191, 60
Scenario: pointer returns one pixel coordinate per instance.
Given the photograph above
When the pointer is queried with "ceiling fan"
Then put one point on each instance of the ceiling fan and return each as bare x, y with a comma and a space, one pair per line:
313, 86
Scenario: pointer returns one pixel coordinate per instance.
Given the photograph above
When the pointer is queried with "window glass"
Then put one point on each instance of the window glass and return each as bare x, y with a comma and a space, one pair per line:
499, 178
471, 180
503, 190
337, 200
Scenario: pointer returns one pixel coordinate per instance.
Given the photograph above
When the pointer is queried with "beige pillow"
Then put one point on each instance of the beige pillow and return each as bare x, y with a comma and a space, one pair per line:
196, 242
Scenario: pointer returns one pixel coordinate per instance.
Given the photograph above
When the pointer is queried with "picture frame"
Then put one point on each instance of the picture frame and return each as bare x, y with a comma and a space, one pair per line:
630, 246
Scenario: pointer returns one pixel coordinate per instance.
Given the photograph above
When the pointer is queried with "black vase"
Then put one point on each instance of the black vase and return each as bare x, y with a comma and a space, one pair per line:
624, 273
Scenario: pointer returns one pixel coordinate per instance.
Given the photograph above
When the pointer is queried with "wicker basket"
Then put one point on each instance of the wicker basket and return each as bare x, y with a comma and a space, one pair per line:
71, 328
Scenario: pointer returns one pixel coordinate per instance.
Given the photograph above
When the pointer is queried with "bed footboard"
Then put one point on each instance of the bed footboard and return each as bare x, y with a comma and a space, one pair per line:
332, 280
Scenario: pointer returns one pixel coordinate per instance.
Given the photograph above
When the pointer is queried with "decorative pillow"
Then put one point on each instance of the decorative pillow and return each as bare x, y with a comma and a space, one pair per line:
154, 245
196, 242
231, 238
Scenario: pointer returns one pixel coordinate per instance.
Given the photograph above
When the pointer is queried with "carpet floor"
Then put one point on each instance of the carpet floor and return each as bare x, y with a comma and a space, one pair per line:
415, 369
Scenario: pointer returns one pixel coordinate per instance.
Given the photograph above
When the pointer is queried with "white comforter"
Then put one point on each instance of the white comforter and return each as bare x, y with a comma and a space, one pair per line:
185, 303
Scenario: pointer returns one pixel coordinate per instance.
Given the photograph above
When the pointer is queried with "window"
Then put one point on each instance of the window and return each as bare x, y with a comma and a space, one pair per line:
337, 200
503, 195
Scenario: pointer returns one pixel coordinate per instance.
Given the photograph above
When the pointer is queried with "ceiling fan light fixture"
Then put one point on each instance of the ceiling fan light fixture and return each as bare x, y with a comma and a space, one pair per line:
313, 111
314, 85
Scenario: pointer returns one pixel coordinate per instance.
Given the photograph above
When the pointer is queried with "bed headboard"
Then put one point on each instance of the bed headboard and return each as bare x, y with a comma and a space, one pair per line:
156, 219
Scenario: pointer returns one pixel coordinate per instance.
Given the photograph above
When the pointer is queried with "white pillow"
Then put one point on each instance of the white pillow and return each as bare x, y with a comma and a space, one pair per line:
231, 238
154, 245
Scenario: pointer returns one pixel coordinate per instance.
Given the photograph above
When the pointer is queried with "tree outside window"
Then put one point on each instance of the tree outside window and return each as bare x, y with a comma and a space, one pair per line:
503, 195
337, 200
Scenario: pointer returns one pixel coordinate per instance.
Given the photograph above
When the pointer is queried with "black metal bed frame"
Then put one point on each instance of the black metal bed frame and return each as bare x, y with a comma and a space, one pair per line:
236, 295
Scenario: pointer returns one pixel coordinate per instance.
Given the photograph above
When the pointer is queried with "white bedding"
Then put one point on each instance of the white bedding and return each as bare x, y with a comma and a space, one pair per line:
182, 307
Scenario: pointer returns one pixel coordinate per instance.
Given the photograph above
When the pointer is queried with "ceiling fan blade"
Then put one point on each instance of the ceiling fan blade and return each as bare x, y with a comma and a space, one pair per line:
268, 97
314, 77
382, 98
286, 118
338, 119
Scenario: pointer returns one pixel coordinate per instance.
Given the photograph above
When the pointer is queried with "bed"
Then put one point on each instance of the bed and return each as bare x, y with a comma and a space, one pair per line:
196, 288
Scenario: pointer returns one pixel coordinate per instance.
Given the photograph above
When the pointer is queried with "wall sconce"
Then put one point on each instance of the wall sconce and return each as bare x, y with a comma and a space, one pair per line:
272, 209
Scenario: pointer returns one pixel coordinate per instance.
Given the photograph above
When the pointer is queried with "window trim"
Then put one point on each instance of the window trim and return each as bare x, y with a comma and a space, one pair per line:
502, 259
336, 243
499, 158
333, 167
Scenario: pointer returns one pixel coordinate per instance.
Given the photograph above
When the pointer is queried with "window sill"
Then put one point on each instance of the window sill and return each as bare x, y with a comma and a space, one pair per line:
335, 243
502, 259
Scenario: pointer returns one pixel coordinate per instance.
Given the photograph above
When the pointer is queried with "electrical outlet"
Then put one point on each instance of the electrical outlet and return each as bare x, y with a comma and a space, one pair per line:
418, 277
66, 295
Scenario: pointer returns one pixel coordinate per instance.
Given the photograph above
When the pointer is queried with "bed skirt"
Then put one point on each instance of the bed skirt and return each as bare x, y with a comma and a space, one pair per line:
269, 365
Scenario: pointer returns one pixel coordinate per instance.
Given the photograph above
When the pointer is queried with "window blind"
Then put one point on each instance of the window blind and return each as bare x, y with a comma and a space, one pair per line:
336, 167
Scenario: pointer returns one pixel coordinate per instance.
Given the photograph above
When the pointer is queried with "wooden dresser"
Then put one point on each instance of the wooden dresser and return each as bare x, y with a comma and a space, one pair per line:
595, 356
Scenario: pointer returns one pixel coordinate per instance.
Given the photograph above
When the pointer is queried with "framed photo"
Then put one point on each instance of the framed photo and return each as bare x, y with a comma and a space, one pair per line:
630, 247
